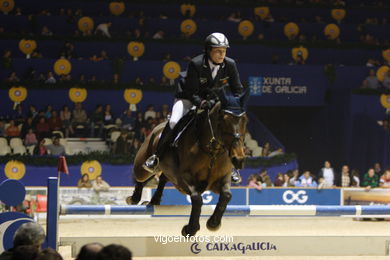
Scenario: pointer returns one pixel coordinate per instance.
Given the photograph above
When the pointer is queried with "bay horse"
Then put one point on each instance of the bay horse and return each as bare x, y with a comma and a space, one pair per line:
203, 159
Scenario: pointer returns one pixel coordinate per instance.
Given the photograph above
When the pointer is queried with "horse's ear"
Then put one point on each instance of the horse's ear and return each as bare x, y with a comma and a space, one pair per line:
215, 108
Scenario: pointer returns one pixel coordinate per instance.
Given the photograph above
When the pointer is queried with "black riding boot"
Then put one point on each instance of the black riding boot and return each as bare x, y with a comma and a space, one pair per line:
166, 139
236, 177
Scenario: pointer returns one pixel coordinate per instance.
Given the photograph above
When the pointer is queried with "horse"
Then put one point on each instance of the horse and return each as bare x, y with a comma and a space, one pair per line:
212, 143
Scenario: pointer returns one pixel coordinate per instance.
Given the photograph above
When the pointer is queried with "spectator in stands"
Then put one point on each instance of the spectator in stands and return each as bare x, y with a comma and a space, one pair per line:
386, 80
371, 81
266, 150
294, 177
235, 17
2, 129
372, 63
82, 78
135, 145
67, 51
84, 182
128, 121
306, 180
253, 182
32, 111
103, 29
7, 60
46, 31
13, 78
50, 78
66, 116
150, 112
164, 82
108, 117
49, 254
370, 179
114, 252
28, 234
18, 115
138, 82
25, 252
159, 35
56, 148
12, 130
115, 78
100, 185
97, 120
89, 251
40, 149
328, 174
378, 169
43, 128
384, 181
121, 145
80, 118
30, 138
355, 179
104, 55
48, 112
345, 176
280, 180
265, 179
55, 122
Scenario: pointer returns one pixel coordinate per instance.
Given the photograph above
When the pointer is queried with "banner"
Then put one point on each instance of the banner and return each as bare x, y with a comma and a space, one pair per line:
294, 196
174, 197
296, 86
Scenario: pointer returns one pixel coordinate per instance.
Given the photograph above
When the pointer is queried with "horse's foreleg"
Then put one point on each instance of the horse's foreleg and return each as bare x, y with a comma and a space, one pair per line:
156, 199
193, 225
214, 222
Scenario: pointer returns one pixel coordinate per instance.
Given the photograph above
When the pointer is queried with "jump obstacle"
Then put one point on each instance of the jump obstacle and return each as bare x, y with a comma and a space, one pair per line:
146, 246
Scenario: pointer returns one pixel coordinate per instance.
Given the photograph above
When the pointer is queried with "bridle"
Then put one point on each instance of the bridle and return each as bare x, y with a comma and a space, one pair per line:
215, 147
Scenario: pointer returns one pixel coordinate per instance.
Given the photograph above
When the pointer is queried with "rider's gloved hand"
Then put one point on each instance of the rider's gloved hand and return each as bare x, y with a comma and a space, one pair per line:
207, 104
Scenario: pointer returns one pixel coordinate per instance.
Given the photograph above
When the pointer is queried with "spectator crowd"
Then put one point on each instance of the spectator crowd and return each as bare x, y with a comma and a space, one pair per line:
29, 238
35, 126
327, 177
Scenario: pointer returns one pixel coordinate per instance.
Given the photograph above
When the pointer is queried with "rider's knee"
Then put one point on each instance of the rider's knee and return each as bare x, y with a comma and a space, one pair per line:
172, 123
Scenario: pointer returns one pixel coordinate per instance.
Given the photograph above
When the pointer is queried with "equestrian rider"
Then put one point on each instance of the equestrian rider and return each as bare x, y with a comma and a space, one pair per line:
212, 69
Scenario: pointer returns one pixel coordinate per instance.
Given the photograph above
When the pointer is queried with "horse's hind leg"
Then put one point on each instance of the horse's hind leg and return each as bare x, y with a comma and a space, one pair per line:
214, 222
137, 194
156, 199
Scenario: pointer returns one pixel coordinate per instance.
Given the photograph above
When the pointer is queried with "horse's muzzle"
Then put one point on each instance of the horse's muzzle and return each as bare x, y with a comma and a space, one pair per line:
238, 163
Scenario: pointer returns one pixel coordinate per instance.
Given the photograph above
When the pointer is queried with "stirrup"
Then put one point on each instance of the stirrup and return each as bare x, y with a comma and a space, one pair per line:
151, 163
236, 177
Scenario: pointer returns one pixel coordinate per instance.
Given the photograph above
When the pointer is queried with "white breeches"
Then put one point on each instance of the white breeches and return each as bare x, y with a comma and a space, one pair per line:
180, 108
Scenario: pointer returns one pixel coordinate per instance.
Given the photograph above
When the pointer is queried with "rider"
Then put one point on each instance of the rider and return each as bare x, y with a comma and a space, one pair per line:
212, 69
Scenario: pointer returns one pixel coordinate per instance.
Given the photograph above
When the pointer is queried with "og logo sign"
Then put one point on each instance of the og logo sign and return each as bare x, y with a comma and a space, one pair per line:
290, 196
207, 197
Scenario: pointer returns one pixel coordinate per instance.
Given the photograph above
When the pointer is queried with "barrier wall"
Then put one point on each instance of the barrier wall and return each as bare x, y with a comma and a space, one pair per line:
268, 196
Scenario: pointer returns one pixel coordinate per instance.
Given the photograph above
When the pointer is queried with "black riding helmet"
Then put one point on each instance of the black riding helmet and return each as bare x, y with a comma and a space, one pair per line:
216, 40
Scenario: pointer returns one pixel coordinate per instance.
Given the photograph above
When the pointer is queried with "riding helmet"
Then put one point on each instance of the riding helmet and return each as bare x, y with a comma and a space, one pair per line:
216, 40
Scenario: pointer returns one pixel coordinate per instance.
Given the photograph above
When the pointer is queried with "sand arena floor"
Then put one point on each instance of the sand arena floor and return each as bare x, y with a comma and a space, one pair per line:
248, 226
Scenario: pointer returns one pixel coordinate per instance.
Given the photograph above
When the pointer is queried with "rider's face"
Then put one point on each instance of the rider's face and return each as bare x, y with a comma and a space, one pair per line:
217, 55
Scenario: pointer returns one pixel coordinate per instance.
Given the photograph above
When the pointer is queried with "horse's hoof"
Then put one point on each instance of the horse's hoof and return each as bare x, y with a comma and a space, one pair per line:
186, 232
130, 201
145, 203
212, 226
154, 202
